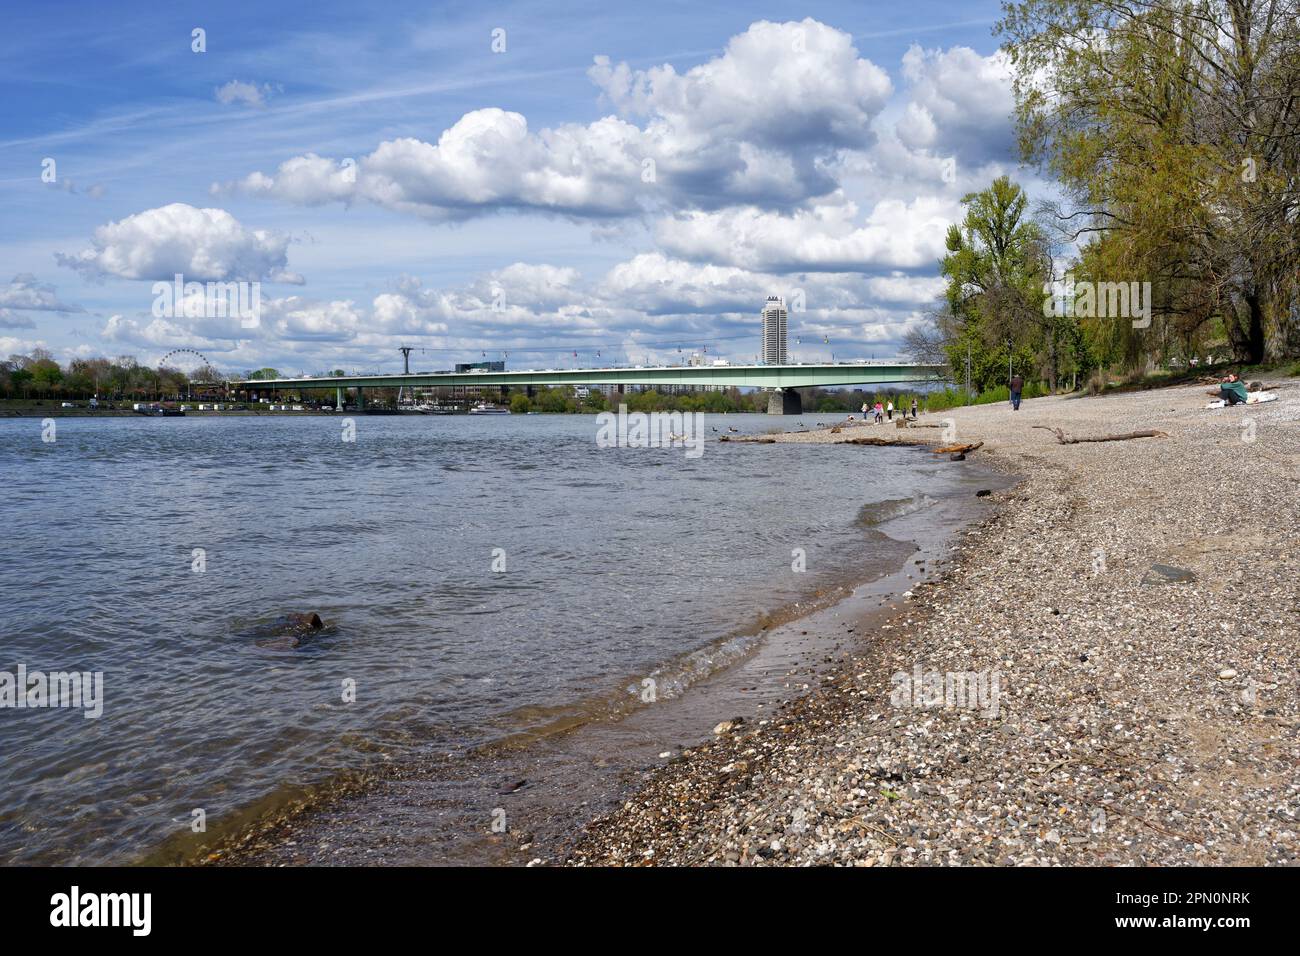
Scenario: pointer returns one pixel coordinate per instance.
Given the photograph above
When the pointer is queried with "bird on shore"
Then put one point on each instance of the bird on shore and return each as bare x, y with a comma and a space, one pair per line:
730, 429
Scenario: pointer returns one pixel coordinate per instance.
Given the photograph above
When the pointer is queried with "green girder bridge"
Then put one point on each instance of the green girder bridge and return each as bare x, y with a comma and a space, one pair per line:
781, 380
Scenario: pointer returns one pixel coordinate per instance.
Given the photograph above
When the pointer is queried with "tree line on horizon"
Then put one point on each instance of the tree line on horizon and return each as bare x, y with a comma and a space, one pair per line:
39, 375
1172, 130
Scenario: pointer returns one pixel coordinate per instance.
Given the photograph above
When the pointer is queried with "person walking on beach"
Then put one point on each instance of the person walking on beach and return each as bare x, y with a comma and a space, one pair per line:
1017, 386
865, 406
880, 413
889, 409
914, 409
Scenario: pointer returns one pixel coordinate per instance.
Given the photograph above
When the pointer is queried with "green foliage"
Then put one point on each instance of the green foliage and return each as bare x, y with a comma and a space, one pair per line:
941, 400
553, 400
1002, 393
997, 264
1175, 131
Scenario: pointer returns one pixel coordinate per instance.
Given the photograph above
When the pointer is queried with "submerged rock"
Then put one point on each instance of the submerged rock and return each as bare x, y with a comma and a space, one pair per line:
289, 631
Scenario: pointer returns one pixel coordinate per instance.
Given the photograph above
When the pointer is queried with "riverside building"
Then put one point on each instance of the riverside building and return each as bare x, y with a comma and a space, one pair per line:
774, 331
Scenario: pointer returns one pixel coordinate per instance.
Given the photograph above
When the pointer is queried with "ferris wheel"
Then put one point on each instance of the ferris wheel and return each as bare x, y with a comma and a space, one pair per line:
190, 355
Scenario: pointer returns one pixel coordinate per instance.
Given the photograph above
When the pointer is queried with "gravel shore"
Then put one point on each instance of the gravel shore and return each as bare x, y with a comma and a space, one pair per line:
1107, 669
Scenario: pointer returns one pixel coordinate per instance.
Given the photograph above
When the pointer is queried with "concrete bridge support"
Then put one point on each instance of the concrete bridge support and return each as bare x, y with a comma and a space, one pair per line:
338, 404
784, 401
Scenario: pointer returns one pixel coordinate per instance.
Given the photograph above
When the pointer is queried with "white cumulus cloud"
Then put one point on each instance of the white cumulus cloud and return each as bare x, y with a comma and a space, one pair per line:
827, 237
203, 245
753, 125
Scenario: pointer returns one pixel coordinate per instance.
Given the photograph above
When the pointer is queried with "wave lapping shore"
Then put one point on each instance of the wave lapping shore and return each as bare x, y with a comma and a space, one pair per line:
1107, 670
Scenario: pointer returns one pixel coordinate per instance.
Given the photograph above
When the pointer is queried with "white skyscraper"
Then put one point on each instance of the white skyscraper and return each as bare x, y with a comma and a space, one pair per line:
774, 321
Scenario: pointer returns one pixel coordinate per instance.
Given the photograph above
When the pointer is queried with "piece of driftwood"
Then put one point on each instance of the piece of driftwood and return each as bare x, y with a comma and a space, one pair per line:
957, 449
1064, 439
874, 440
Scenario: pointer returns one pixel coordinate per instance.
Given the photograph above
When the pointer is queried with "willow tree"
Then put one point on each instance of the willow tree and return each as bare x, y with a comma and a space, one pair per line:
1175, 127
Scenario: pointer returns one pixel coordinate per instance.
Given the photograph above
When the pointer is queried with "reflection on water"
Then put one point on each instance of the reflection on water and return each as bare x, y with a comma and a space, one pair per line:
618, 564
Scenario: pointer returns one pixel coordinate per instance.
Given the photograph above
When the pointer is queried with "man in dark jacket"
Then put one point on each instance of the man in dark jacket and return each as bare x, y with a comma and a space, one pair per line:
1017, 386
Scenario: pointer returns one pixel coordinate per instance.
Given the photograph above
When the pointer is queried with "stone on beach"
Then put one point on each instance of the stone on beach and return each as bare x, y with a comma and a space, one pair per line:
1164, 574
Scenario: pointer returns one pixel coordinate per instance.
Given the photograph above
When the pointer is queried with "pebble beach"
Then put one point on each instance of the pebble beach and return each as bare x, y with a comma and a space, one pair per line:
1103, 672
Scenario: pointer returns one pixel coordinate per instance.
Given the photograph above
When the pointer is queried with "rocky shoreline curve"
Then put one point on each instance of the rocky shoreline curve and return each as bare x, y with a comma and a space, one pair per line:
1105, 674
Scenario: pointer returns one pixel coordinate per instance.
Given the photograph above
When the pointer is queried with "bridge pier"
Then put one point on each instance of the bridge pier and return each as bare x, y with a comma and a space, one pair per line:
361, 399
784, 401
505, 393
338, 405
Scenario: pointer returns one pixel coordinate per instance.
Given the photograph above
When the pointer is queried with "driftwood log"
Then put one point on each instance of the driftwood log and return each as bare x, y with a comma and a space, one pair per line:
875, 440
957, 449
1064, 439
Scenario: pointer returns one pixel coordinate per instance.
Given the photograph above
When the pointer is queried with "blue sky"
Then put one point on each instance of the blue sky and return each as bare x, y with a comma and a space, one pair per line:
389, 178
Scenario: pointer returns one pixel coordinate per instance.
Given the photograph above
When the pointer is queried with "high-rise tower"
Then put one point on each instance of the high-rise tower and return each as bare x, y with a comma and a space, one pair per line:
774, 322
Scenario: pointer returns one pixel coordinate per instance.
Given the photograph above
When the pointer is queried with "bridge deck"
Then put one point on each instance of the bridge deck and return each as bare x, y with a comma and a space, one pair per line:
745, 376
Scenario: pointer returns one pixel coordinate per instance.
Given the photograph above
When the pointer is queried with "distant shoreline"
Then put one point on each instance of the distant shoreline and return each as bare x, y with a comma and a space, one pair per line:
129, 413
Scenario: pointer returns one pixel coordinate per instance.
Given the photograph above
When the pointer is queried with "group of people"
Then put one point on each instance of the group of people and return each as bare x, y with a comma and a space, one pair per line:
881, 411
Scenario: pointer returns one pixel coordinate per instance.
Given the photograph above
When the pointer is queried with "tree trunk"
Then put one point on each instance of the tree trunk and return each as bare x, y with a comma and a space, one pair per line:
1254, 328
1052, 347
